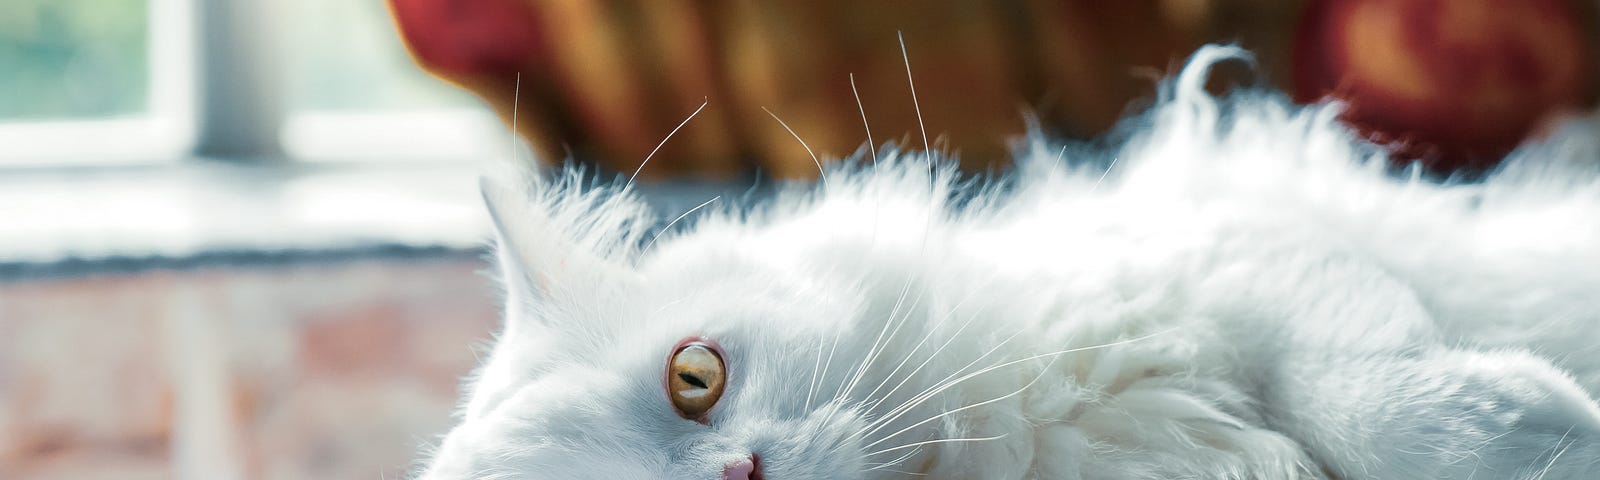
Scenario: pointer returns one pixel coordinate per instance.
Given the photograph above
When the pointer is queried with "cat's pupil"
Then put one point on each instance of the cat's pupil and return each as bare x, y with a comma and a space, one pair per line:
692, 380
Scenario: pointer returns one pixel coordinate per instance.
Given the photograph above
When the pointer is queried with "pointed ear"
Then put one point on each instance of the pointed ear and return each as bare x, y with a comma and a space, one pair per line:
550, 248
516, 238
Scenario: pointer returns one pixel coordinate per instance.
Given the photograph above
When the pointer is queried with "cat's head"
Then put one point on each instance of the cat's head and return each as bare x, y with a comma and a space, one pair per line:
707, 361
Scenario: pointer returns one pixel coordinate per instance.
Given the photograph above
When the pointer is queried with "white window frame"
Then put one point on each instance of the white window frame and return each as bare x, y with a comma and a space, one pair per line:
159, 134
215, 93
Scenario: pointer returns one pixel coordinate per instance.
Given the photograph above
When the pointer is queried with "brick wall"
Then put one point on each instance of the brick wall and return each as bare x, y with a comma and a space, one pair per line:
334, 370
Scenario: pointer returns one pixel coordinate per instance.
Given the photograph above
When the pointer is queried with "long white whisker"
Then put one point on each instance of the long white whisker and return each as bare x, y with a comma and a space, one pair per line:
1558, 454
1019, 391
931, 329
964, 378
885, 465
1103, 174
870, 147
932, 180
872, 356
932, 442
907, 58
828, 365
815, 366
902, 472
931, 356
917, 399
996, 347
820, 171
675, 222
663, 143
861, 368
516, 95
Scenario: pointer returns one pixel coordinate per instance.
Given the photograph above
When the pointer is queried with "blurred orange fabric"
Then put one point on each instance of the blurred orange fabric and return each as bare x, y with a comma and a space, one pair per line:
606, 81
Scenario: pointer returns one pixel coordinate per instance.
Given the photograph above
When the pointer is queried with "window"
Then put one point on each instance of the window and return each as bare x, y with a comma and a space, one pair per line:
354, 93
45, 41
86, 81
90, 82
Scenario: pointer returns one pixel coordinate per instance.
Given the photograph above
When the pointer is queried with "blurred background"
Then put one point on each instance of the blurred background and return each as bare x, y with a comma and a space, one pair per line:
241, 240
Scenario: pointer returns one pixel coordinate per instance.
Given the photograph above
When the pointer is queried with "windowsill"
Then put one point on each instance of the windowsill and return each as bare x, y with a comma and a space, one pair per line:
84, 220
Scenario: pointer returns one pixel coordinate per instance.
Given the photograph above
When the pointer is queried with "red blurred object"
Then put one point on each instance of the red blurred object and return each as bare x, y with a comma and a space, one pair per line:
1456, 84
470, 37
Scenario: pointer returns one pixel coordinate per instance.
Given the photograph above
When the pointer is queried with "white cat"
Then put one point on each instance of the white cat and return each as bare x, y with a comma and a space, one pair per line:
1241, 290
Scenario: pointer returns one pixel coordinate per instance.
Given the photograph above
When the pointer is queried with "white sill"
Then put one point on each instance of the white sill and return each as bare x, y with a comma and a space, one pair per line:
388, 136
197, 209
102, 142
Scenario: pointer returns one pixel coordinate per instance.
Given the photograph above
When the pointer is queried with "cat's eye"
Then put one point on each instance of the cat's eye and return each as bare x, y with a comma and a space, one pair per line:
695, 378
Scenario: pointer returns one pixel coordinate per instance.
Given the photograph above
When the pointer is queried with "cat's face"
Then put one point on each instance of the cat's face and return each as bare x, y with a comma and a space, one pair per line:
704, 363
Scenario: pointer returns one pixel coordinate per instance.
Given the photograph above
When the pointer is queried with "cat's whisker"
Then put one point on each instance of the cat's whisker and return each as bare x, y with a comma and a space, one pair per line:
898, 321
929, 359
925, 337
674, 131
675, 221
820, 171
874, 404
933, 195
811, 391
1103, 174
1018, 391
876, 342
906, 57
859, 106
828, 365
959, 371
902, 472
1473, 452
924, 398
516, 97
885, 465
935, 389
652, 316
905, 288
948, 383
933, 189
1558, 453
935, 442
895, 413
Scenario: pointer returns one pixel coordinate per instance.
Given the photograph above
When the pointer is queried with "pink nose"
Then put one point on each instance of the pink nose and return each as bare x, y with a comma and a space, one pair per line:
741, 470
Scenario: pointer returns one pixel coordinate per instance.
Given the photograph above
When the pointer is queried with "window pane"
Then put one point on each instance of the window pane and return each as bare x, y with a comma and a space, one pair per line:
73, 58
346, 55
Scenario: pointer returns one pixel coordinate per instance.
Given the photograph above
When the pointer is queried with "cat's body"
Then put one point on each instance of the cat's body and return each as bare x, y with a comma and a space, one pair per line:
1245, 295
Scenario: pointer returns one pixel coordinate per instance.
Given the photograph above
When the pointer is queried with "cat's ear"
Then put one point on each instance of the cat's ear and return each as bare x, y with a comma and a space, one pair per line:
559, 244
522, 252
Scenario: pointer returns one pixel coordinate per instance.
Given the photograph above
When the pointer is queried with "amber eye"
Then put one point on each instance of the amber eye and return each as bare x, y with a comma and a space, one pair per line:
695, 377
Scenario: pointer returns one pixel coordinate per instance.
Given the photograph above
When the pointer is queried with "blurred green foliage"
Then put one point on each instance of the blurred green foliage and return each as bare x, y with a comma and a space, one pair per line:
73, 58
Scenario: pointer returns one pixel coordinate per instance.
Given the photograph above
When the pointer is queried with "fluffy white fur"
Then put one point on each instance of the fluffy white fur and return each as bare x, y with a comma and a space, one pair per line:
1247, 293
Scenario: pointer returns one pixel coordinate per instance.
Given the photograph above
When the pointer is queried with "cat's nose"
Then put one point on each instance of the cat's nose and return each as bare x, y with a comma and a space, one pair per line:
746, 469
